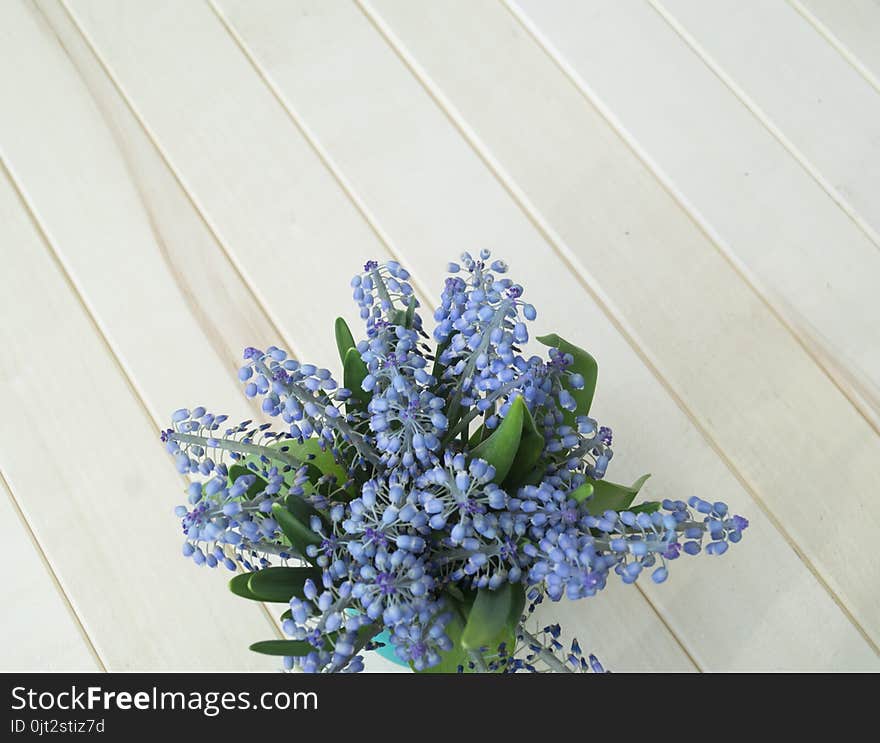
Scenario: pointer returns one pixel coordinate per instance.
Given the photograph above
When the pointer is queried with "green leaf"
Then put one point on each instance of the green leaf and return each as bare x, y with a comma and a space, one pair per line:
294, 528
476, 437
500, 448
517, 606
610, 496
283, 647
647, 507
410, 313
344, 338
310, 452
280, 584
239, 586
354, 371
583, 364
488, 618
531, 445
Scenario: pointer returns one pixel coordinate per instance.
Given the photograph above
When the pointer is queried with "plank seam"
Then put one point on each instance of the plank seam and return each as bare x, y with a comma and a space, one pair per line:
221, 247
604, 302
858, 397
230, 257
317, 148
91, 318
374, 225
838, 45
53, 576
765, 120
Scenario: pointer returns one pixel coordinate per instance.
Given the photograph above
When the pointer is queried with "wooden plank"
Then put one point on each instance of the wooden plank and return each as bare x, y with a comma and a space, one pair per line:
172, 283
93, 482
41, 631
853, 26
427, 188
273, 203
799, 84
745, 380
763, 210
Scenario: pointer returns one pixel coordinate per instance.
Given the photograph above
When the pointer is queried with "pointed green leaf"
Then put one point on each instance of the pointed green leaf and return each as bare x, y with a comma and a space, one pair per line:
344, 338
583, 364
531, 445
354, 371
500, 448
239, 586
610, 496
283, 647
294, 529
280, 584
488, 618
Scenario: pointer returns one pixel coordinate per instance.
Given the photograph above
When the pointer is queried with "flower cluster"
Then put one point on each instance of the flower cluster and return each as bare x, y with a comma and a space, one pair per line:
433, 479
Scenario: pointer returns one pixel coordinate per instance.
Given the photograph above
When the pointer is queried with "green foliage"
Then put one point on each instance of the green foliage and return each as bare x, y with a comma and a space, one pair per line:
531, 445
354, 371
500, 448
283, 647
344, 338
488, 618
610, 496
293, 518
239, 586
280, 584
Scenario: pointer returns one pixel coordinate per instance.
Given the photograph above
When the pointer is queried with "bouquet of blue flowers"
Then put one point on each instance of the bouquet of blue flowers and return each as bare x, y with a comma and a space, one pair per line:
426, 505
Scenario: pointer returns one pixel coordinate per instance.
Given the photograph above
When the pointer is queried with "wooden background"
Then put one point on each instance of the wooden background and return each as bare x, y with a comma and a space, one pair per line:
688, 188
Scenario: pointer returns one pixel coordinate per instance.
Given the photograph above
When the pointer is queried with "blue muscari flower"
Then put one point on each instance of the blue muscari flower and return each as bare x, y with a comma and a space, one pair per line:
421, 639
573, 550
584, 447
479, 535
305, 397
383, 295
426, 514
481, 322
406, 418
224, 515
393, 586
324, 618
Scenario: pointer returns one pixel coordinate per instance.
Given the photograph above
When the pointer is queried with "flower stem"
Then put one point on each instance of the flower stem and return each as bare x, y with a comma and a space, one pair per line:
549, 658
238, 447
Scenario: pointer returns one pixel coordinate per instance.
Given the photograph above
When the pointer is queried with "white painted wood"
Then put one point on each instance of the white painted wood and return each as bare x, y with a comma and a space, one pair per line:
749, 385
853, 26
33, 599
428, 190
274, 205
92, 481
763, 209
799, 84
173, 285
